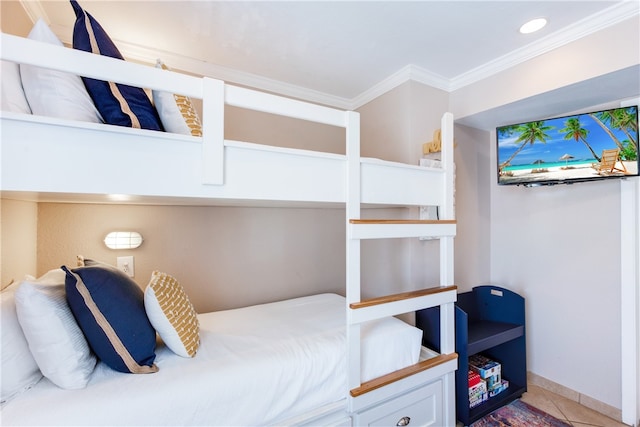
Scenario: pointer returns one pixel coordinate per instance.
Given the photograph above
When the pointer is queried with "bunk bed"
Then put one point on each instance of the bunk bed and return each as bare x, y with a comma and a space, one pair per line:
53, 159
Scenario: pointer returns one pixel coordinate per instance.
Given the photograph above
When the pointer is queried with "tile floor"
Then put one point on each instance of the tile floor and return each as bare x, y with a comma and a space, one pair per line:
565, 409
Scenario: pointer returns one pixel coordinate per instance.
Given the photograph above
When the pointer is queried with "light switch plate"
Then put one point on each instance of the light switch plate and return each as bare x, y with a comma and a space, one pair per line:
125, 263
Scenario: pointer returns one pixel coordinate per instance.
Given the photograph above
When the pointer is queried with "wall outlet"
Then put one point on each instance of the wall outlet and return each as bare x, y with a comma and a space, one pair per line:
125, 263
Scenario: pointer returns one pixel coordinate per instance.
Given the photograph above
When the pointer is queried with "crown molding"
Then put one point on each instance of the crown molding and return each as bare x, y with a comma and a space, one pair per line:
589, 25
406, 73
396, 79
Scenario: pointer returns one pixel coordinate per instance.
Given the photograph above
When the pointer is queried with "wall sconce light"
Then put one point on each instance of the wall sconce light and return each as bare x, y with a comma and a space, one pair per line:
123, 240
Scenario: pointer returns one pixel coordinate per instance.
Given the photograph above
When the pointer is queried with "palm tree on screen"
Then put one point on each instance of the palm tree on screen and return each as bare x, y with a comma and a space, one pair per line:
574, 130
529, 134
602, 119
624, 120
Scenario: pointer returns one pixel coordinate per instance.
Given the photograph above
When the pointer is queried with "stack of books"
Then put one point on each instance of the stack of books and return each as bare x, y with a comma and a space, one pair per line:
485, 379
477, 389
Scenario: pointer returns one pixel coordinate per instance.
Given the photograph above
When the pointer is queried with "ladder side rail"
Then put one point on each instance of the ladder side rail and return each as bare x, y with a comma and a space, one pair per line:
353, 259
447, 312
353, 200
449, 395
446, 210
447, 325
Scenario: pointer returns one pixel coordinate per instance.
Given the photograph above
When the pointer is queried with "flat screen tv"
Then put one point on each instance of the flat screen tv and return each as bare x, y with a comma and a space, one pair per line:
563, 150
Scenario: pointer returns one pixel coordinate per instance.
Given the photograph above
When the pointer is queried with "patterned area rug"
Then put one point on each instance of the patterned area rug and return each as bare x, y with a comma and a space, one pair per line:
519, 414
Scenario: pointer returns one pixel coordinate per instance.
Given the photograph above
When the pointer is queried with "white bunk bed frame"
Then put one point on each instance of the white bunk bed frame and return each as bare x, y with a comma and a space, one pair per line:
210, 170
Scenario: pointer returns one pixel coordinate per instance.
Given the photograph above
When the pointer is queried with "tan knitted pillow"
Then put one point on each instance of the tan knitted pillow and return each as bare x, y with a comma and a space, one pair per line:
172, 314
176, 111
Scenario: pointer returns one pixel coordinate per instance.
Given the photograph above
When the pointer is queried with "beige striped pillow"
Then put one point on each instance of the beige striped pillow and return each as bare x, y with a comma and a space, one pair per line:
172, 314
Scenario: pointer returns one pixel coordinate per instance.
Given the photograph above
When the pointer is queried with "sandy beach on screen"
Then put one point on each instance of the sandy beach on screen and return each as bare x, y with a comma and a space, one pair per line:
564, 173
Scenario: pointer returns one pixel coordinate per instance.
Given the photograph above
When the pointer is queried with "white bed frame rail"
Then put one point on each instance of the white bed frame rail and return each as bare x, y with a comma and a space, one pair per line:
210, 168
214, 93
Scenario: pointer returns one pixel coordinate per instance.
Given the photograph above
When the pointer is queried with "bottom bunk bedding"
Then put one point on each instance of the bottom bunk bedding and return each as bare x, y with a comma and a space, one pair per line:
255, 365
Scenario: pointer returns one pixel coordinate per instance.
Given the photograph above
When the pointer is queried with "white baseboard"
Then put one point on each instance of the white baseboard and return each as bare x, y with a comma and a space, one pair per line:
589, 402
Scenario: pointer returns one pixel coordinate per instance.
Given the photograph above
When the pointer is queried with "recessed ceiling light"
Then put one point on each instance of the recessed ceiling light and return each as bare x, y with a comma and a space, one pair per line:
533, 25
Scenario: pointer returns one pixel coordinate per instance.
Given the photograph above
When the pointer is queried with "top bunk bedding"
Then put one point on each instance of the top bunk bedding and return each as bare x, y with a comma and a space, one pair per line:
54, 158
256, 365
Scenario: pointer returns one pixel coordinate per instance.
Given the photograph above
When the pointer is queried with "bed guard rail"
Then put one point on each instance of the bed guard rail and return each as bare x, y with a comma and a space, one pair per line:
213, 93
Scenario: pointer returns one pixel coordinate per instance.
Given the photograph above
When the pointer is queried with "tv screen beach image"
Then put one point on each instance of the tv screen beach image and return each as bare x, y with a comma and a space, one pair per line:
580, 147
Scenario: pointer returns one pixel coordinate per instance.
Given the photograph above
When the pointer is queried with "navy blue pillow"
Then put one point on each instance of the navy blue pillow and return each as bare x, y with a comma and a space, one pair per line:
118, 104
109, 308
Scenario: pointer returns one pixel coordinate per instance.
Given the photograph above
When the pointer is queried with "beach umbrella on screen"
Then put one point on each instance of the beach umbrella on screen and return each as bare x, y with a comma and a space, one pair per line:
566, 158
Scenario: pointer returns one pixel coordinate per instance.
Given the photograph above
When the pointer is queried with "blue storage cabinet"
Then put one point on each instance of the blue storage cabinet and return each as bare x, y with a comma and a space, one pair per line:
489, 320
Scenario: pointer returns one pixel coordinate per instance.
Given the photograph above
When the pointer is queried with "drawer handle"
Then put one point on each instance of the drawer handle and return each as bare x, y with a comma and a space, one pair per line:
404, 421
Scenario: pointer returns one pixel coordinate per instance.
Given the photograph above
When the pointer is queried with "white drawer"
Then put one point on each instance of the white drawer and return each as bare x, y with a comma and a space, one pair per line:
420, 407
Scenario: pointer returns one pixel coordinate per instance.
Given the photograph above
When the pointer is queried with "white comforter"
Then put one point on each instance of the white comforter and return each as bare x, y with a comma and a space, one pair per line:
255, 365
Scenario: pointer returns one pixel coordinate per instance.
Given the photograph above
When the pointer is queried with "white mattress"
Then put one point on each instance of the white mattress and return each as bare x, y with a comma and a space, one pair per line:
255, 365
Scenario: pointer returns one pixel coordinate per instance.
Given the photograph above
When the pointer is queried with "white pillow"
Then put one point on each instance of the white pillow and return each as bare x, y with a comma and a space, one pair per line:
176, 111
19, 368
54, 93
13, 98
172, 315
55, 339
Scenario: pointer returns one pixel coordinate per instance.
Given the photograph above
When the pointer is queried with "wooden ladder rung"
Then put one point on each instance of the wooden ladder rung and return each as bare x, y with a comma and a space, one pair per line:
402, 373
401, 296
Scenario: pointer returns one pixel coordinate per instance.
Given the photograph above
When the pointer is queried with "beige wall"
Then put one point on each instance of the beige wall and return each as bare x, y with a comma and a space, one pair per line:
229, 257
385, 126
13, 19
396, 124
473, 207
225, 257
263, 128
18, 240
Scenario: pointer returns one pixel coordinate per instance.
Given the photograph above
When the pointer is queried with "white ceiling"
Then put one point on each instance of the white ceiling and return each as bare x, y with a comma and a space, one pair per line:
339, 53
